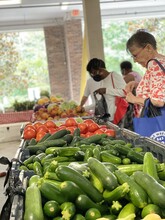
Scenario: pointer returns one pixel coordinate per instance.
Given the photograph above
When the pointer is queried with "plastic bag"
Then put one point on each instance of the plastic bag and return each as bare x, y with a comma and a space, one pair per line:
101, 108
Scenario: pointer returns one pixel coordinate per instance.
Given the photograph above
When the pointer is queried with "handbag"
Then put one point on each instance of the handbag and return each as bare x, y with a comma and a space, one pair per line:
121, 107
151, 122
152, 119
101, 108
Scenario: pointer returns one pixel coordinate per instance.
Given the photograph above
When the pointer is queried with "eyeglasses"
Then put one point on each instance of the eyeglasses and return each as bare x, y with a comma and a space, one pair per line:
135, 56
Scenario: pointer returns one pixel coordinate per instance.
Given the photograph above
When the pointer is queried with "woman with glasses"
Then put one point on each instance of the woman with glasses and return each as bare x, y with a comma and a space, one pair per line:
143, 48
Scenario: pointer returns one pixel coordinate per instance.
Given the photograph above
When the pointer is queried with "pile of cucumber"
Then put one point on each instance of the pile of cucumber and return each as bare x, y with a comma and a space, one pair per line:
89, 178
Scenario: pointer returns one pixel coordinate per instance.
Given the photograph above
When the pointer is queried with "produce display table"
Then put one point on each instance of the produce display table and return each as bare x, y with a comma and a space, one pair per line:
17, 208
14, 117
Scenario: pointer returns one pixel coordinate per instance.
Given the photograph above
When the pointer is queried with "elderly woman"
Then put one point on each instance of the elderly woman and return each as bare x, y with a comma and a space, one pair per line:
143, 48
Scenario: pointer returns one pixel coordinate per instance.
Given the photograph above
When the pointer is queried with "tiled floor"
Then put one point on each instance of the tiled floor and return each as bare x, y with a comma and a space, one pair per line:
8, 150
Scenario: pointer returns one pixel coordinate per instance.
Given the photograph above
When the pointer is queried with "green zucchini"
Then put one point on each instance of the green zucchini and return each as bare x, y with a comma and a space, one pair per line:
149, 165
116, 194
71, 190
107, 157
92, 214
116, 207
96, 153
150, 185
128, 210
68, 138
51, 208
51, 192
33, 204
34, 180
96, 181
79, 217
67, 173
135, 156
129, 169
38, 168
67, 151
44, 137
39, 157
107, 178
51, 175
68, 210
83, 203
58, 134
88, 154
150, 208
137, 194
29, 160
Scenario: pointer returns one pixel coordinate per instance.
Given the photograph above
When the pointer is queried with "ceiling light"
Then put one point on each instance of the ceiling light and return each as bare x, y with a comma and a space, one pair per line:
10, 2
64, 6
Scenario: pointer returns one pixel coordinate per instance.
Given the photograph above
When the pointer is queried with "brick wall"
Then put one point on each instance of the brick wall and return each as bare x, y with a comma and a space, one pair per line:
64, 55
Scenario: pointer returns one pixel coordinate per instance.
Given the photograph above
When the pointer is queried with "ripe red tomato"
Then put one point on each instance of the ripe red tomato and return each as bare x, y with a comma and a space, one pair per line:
40, 135
50, 124
71, 129
110, 132
29, 134
99, 131
42, 128
70, 122
52, 130
93, 127
29, 127
83, 128
37, 124
88, 121
89, 134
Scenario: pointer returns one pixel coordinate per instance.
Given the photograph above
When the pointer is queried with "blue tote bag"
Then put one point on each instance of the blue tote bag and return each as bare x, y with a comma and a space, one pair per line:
151, 122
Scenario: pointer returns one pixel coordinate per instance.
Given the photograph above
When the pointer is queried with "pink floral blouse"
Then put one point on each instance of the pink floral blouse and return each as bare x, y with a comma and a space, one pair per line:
152, 84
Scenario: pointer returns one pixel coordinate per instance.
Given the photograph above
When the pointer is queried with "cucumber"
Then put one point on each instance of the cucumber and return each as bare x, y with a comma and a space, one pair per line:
128, 210
51, 208
107, 178
107, 157
52, 143
58, 134
51, 192
32, 141
71, 190
34, 148
67, 173
150, 185
33, 204
83, 203
137, 194
116, 194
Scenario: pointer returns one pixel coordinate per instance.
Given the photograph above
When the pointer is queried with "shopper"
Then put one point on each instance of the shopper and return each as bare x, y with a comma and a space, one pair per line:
111, 83
128, 73
143, 48
88, 101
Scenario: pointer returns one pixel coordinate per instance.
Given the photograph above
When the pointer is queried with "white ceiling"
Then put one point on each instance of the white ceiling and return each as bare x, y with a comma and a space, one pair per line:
38, 13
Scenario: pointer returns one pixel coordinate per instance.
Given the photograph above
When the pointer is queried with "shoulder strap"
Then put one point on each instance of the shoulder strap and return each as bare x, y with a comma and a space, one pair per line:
112, 81
158, 64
